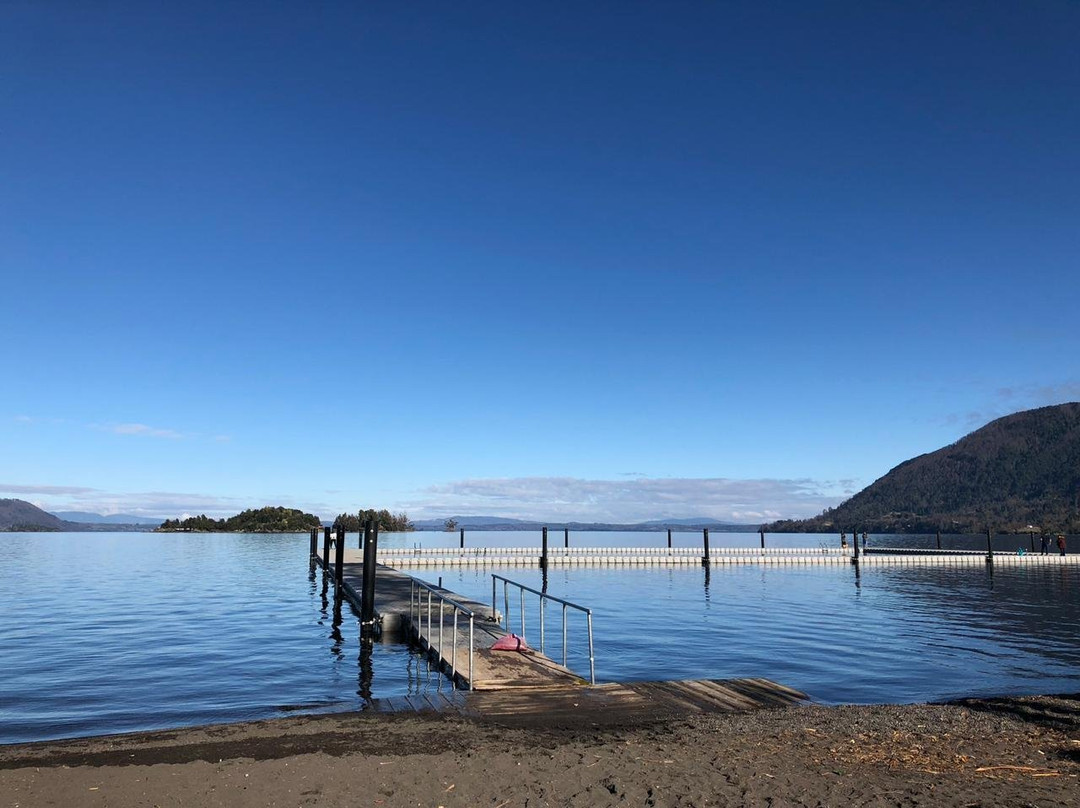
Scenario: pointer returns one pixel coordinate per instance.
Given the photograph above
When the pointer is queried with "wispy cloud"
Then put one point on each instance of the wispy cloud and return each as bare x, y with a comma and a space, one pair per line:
46, 490
141, 430
631, 499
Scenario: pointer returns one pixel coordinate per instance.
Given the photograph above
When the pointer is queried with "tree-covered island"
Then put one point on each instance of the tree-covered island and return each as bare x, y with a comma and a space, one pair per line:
260, 520
387, 522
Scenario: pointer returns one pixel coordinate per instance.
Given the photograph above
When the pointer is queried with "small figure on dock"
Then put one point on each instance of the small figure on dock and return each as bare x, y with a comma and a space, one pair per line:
1044, 543
1061, 543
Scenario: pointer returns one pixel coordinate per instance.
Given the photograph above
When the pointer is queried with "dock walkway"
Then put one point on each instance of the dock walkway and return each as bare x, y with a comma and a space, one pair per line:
450, 644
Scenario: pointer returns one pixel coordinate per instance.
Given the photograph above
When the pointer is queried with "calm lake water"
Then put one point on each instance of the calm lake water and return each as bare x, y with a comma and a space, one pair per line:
115, 632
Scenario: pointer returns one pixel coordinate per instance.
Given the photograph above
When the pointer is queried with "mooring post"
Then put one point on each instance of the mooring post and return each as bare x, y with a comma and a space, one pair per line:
989, 547
1032, 535
705, 536
339, 558
543, 550
367, 595
566, 537
855, 541
669, 538
762, 532
314, 542
461, 538
939, 539
326, 547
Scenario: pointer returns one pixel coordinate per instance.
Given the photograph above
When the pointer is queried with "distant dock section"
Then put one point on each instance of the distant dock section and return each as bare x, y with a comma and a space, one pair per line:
420, 557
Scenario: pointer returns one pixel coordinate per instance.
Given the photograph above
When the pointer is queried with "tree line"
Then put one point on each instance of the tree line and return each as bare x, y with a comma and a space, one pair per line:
387, 522
260, 520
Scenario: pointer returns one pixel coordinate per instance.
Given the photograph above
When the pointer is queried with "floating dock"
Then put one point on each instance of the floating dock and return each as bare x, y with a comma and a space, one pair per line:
510, 557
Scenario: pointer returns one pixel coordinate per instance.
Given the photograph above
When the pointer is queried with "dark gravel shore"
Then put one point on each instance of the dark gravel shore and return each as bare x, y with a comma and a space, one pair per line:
1009, 752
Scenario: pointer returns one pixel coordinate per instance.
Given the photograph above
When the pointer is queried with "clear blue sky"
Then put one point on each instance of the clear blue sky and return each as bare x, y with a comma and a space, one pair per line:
595, 261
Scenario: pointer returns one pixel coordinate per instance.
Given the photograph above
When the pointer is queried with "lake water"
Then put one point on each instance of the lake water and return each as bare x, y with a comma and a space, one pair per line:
115, 632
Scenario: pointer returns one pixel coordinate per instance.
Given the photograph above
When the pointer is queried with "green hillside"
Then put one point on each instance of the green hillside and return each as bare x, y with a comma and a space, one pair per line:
1020, 470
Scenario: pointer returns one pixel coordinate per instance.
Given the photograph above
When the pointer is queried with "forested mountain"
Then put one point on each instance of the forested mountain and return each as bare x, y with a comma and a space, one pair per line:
261, 520
19, 515
1020, 470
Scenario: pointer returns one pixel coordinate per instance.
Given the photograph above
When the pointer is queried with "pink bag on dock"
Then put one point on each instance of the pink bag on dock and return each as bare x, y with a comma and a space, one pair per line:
511, 642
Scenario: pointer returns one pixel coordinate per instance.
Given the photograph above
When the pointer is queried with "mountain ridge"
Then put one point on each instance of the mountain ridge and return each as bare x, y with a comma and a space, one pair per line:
1017, 473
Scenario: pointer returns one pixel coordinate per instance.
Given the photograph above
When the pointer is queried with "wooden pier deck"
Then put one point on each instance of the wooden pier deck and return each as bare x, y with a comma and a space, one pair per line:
490, 669
600, 704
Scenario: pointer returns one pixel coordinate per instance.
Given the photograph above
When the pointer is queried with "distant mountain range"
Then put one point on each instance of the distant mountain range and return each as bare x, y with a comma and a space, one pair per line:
504, 523
1018, 472
19, 515
112, 519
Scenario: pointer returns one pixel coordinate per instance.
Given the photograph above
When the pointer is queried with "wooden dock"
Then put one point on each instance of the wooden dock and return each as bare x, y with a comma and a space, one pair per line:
490, 669
600, 704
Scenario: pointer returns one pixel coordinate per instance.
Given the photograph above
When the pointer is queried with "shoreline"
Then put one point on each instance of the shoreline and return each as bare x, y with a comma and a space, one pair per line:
987, 751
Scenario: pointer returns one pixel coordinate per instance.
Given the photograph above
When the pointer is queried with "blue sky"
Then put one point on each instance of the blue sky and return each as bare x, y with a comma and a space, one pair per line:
619, 262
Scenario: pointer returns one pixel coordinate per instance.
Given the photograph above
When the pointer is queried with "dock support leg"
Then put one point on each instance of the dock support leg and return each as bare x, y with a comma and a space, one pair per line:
705, 536
566, 537
762, 534
339, 558
543, 550
326, 547
367, 595
314, 543
669, 538
989, 546
461, 539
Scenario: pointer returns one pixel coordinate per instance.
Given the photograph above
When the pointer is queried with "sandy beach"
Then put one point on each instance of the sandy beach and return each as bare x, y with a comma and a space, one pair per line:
1008, 752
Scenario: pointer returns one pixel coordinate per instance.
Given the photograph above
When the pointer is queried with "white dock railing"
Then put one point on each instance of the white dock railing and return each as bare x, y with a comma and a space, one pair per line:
416, 616
544, 598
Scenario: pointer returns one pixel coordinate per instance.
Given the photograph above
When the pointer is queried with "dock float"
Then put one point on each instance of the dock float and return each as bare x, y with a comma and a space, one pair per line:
510, 557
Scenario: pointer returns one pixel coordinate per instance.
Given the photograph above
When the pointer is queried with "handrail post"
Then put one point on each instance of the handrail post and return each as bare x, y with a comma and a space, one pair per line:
543, 602
453, 665
564, 635
592, 660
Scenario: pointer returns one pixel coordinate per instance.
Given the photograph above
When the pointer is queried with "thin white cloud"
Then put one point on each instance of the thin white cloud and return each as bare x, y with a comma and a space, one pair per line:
142, 430
630, 500
48, 490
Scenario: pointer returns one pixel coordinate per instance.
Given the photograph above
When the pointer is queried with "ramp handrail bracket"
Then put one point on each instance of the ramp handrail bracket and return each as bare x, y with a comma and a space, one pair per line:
544, 598
416, 615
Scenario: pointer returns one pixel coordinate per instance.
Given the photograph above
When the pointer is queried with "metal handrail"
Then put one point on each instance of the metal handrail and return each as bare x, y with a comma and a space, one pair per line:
416, 616
544, 598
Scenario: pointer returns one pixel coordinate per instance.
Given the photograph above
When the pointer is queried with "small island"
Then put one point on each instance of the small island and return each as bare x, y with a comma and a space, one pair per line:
261, 520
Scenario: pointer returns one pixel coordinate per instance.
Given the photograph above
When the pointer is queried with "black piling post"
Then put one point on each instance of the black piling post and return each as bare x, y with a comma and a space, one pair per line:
989, 546
461, 538
705, 537
939, 539
566, 537
314, 543
326, 547
855, 541
669, 538
543, 550
339, 558
367, 596
1031, 534
762, 533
